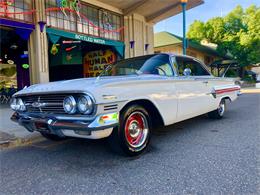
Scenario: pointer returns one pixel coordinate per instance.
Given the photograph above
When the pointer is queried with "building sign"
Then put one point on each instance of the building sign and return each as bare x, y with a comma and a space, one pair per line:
90, 39
96, 61
55, 34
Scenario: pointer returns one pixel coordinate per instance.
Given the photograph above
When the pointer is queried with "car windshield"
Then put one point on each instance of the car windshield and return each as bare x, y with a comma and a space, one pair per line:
152, 64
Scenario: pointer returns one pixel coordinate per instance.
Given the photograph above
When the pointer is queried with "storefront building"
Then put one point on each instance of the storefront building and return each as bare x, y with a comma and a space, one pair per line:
165, 42
15, 31
50, 40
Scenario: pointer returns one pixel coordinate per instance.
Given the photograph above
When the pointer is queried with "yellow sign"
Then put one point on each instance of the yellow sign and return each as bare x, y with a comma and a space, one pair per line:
96, 61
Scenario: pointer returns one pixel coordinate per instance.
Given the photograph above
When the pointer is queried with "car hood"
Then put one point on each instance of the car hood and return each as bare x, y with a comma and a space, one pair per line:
85, 84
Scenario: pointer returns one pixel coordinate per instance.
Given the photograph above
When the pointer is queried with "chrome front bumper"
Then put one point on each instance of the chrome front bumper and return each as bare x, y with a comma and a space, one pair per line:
59, 125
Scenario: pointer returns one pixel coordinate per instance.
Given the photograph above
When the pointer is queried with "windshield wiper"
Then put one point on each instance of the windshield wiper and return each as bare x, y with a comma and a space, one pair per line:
103, 72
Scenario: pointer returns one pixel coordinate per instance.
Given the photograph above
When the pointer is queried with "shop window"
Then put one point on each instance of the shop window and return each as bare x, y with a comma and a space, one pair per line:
109, 21
17, 6
89, 21
14, 60
63, 20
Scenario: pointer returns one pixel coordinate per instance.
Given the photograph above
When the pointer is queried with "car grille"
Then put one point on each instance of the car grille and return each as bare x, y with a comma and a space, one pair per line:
47, 103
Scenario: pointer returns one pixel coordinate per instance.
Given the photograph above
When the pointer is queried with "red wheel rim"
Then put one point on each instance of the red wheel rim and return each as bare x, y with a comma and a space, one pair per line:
136, 129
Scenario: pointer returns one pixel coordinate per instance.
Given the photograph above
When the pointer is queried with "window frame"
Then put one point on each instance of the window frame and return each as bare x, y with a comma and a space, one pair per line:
25, 7
159, 68
174, 69
174, 73
91, 12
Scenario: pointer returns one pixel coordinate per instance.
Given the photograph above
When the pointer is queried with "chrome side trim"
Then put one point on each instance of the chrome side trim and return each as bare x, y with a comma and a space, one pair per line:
114, 102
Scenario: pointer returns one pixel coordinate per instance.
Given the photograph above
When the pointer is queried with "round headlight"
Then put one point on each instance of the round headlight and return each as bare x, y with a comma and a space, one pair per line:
17, 104
13, 104
85, 104
20, 105
69, 105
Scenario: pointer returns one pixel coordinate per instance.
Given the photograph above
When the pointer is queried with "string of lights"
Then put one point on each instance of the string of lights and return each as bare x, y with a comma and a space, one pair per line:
53, 9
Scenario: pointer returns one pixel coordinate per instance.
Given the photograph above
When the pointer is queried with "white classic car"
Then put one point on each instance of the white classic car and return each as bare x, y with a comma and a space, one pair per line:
125, 102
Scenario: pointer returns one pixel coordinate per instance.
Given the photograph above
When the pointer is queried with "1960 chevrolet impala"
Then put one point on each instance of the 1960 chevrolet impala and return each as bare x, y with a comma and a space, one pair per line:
125, 102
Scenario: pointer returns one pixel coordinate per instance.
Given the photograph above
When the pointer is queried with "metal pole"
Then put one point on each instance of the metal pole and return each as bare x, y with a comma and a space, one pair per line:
184, 45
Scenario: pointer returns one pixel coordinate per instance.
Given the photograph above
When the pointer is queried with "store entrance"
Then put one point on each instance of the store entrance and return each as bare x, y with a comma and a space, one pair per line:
71, 59
14, 63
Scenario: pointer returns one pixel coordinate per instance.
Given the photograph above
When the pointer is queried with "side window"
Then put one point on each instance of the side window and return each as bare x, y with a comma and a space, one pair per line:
164, 69
158, 65
196, 68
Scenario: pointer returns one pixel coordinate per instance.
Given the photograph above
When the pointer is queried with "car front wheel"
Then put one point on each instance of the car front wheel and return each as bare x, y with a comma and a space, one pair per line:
132, 135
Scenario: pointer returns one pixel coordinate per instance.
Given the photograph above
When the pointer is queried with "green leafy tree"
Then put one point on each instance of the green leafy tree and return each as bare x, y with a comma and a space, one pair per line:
238, 33
215, 29
197, 30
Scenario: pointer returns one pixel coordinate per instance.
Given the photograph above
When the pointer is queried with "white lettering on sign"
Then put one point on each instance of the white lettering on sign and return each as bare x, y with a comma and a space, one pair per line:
100, 41
89, 39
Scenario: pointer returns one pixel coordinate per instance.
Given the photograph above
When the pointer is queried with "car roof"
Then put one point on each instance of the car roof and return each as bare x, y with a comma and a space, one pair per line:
179, 55
165, 53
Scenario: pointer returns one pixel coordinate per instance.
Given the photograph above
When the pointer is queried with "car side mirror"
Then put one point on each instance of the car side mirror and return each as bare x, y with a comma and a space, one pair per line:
187, 72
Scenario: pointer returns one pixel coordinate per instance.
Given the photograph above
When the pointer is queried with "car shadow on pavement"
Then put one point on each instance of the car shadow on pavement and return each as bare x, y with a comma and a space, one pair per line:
99, 149
81, 152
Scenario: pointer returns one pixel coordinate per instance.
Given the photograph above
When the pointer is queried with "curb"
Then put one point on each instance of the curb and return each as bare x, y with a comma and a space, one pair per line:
16, 142
250, 90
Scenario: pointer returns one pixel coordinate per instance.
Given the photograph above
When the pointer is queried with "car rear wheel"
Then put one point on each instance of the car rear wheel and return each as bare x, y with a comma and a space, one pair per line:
219, 112
132, 135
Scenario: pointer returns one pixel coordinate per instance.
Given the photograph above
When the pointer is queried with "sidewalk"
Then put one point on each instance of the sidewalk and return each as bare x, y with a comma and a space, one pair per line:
12, 134
251, 90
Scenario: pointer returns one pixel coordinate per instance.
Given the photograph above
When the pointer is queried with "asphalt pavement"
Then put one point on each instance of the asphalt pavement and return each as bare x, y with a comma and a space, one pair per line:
197, 156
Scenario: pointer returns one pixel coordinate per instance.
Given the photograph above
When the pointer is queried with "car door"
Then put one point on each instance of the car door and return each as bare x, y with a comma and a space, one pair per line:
161, 89
204, 76
193, 91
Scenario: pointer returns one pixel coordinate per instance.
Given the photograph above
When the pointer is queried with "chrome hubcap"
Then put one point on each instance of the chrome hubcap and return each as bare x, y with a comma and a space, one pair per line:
136, 129
221, 108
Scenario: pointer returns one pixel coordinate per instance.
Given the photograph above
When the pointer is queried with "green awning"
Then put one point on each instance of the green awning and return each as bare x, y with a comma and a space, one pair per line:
55, 35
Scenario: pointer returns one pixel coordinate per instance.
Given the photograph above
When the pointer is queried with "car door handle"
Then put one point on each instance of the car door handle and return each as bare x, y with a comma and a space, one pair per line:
206, 82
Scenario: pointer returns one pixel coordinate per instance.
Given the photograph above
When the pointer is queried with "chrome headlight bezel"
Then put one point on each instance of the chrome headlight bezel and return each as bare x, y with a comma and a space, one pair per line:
17, 104
72, 103
85, 104
20, 104
13, 104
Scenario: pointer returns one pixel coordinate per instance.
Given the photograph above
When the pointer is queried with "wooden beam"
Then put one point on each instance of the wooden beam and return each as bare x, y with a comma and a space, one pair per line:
191, 4
133, 7
162, 11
